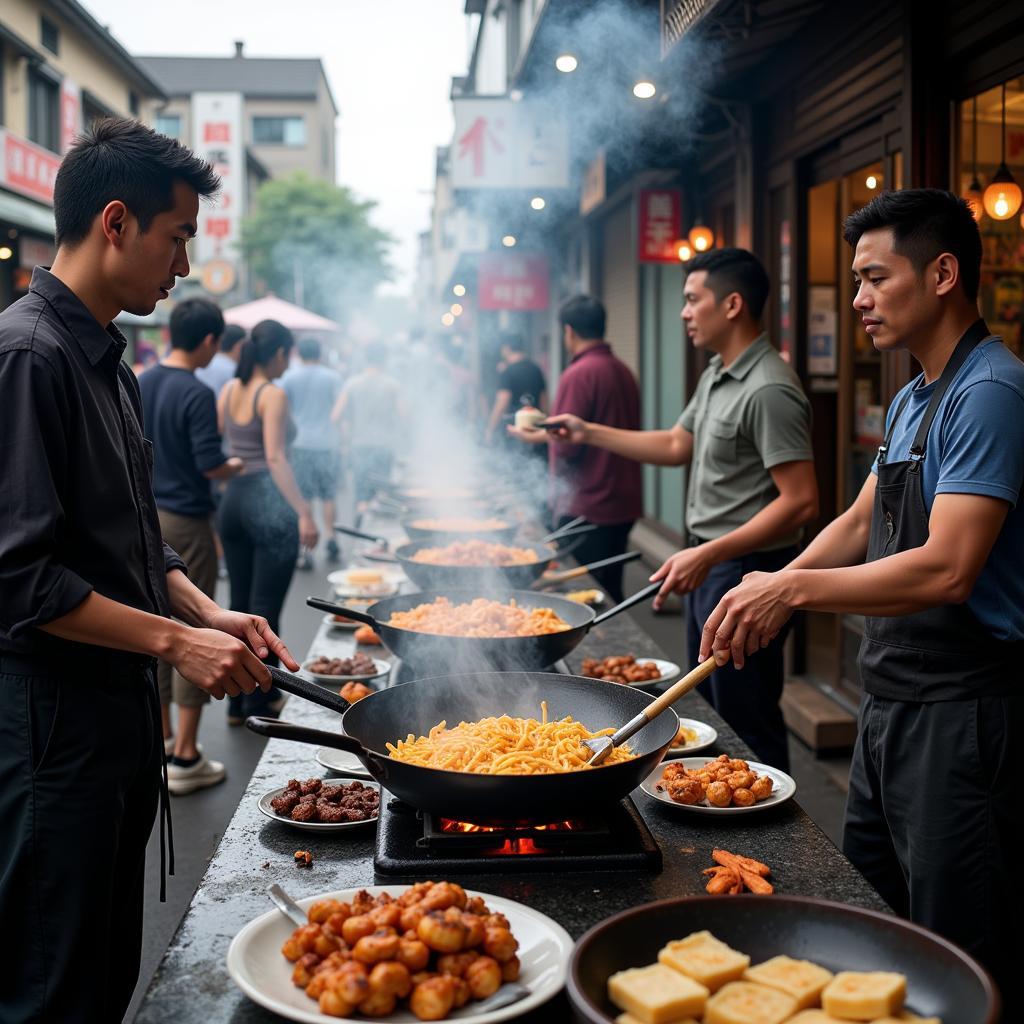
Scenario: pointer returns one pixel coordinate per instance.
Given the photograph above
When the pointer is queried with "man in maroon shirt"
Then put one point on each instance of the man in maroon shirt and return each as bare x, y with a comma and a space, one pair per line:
585, 480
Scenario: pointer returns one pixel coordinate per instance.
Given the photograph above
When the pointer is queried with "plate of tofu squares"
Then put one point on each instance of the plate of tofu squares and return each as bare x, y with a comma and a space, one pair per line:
772, 960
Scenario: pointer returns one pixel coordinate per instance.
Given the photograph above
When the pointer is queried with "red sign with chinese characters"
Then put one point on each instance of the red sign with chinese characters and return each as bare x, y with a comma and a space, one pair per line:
659, 226
217, 131
516, 281
28, 168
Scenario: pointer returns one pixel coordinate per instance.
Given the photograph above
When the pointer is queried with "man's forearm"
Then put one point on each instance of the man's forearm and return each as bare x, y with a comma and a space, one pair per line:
777, 519
657, 447
106, 623
188, 602
843, 542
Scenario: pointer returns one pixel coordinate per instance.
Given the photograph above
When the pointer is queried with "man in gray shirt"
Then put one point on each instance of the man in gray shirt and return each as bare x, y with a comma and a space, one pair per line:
746, 437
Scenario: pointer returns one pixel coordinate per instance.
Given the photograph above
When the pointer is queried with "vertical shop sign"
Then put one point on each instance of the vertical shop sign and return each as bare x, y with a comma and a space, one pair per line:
513, 281
822, 327
659, 226
70, 113
217, 138
785, 294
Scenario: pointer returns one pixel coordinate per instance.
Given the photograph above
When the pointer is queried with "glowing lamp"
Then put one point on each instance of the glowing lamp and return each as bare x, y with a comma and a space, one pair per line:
1002, 198
538, 203
566, 63
459, 290
447, 319
508, 241
684, 250
644, 89
701, 237
456, 309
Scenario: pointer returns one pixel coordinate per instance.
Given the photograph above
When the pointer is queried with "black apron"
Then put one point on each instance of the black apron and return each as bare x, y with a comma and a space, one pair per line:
932, 814
941, 653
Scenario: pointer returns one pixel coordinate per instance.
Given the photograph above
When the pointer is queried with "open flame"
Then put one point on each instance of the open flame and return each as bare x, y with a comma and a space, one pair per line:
519, 840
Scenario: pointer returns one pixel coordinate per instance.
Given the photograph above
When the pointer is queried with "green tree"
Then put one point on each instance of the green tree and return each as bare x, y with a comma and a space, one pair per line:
312, 242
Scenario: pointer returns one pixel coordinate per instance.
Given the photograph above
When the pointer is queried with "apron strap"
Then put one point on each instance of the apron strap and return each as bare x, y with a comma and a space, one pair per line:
974, 336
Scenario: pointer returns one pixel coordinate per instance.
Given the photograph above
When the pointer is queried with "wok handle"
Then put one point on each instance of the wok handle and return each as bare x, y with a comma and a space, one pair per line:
582, 570
275, 729
310, 691
340, 609
571, 525
641, 595
359, 533
665, 701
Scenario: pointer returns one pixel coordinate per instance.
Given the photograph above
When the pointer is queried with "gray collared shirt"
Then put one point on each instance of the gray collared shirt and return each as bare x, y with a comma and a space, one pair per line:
745, 419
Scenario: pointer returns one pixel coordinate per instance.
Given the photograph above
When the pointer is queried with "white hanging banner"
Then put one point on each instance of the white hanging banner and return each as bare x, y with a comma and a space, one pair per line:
217, 138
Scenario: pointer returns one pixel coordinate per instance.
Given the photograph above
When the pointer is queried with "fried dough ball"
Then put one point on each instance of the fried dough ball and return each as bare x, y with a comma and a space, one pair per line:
364, 902
500, 944
762, 788
496, 921
483, 976
674, 770
741, 780
310, 786
444, 895
476, 905
387, 916
302, 973
719, 794
737, 764
320, 911
474, 930
462, 993
336, 922
456, 964
378, 1004
433, 999
440, 933
392, 977
351, 983
685, 791
372, 949
414, 893
326, 942
413, 952
301, 941
332, 1005
510, 970
742, 797
355, 927
411, 917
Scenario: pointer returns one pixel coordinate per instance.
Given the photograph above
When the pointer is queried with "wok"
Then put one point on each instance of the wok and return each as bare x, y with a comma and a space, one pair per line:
389, 715
941, 979
501, 534
483, 578
433, 653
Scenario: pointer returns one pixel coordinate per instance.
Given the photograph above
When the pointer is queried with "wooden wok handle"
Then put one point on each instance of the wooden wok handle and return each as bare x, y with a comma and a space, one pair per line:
582, 570
340, 609
676, 690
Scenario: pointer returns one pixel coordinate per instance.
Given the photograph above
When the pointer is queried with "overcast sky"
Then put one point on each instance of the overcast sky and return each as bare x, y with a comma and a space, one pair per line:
389, 64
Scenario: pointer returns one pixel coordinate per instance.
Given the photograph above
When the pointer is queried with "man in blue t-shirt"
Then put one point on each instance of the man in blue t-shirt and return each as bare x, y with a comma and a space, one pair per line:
181, 422
932, 554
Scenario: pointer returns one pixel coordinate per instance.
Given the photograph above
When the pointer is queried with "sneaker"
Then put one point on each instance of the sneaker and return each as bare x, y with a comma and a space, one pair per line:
169, 746
305, 562
181, 781
333, 551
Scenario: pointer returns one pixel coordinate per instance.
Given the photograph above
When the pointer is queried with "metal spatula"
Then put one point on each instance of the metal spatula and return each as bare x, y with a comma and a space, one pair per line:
602, 746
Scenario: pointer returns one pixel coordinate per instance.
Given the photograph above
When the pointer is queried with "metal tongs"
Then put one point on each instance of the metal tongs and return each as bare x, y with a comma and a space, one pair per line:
602, 746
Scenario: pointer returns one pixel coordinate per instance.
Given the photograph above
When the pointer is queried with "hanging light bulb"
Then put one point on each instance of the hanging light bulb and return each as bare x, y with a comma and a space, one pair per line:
566, 63
973, 195
455, 309
1002, 198
701, 237
459, 290
447, 319
538, 203
644, 89
684, 250
508, 241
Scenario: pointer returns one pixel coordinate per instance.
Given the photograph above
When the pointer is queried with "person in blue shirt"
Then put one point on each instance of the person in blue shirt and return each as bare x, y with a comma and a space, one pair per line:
181, 421
224, 364
932, 554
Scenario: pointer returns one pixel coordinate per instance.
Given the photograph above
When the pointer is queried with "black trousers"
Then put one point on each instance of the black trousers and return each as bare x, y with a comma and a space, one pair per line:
933, 822
748, 699
603, 542
80, 758
260, 534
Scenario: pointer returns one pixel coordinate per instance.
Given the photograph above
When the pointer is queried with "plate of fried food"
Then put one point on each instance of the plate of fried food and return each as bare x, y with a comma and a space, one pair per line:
341, 622
332, 671
362, 583
402, 954
314, 805
693, 737
628, 669
726, 785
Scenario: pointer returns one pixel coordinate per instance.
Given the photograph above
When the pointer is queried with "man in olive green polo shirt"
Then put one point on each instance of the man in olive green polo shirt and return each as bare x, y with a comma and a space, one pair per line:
746, 436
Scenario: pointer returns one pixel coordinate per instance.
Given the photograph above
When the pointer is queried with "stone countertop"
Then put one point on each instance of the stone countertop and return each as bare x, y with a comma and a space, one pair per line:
192, 983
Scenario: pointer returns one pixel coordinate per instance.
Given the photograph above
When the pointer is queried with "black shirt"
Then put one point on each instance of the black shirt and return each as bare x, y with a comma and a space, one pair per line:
76, 503
181, 421
526, 382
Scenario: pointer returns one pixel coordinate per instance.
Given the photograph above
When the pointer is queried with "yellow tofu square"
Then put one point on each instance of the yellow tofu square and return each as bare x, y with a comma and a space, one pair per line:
814, 1017
746, 1002
801, 979
656, 994
864, 995
705, 959
628, 1018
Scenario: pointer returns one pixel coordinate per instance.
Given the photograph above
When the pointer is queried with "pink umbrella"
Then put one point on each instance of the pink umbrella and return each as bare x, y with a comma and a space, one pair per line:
249, 314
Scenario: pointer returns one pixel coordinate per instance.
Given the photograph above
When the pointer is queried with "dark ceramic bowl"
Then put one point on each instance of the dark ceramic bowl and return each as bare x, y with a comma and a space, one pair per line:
942, 980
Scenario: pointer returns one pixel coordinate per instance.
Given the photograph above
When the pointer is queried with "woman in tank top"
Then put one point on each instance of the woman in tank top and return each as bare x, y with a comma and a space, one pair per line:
263, 518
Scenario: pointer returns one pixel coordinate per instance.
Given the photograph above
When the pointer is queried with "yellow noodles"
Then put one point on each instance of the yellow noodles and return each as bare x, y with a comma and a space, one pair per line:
460, 524
479, 618
505, 746
476, 553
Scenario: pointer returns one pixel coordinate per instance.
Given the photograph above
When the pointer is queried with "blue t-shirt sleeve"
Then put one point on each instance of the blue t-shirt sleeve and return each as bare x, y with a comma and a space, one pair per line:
203, 436
983, 443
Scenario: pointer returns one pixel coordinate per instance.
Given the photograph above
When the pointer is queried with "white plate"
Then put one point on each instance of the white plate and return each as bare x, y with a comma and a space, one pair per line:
706, 736
264, 975
328, 621
382, 669
596, 603
669, 670
339, 580
341, 761
783, 789
315, 826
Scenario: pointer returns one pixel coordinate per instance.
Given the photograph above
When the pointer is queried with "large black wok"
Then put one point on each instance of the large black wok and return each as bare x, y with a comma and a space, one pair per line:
431, 653
392, 714
441, 536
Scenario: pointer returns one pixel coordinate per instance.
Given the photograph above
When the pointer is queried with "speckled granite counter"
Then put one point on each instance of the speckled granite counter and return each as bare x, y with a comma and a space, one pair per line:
192, 983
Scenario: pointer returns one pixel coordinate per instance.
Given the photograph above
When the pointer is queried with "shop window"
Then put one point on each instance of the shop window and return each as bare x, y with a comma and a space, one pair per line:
43, 111
133, 103
279, 131
49, 35
983, 145
168, 124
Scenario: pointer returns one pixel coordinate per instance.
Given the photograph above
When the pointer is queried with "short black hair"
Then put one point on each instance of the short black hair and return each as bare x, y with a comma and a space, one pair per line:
309, 349
512, 340
118, 158
232, 335
733, 270
585, 315
265, 340
925, 222
193, 320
